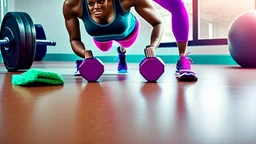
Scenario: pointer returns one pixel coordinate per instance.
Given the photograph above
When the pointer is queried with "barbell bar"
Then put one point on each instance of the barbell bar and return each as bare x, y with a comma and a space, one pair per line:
18, 41
6, 42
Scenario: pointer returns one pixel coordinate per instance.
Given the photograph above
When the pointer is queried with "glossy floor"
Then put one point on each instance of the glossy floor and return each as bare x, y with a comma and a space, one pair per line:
220, 108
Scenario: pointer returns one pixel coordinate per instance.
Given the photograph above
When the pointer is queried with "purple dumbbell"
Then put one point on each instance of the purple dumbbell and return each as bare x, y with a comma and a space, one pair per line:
151, 68
91, 69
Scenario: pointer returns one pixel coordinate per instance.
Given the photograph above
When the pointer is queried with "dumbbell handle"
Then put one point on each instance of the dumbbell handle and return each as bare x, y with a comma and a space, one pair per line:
6, 41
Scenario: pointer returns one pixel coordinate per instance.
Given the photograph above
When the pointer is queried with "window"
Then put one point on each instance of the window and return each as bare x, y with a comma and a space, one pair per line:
215, 16
209, 21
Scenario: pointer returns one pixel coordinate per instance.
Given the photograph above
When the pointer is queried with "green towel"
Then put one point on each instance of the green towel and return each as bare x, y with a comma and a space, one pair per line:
37, 77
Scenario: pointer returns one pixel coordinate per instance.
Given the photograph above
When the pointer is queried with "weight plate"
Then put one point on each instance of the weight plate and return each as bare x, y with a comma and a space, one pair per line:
30, 39
41, 49
13, 54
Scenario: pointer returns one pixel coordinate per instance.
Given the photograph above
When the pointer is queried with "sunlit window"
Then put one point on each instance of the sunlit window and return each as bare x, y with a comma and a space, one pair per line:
214, 17
217, 15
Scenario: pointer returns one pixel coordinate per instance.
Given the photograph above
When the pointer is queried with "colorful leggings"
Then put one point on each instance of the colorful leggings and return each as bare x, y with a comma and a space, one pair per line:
180, 21
180, 25
126, 43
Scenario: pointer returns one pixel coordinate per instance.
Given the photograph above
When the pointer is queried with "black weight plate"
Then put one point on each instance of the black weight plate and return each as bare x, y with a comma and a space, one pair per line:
30, 39
13, 28
27, 27
40, 49
33, 37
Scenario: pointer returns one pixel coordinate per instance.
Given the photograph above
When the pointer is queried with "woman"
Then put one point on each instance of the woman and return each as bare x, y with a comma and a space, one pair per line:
108, 20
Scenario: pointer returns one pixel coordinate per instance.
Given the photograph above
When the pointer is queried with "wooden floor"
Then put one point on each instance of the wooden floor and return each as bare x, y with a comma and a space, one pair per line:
220, 108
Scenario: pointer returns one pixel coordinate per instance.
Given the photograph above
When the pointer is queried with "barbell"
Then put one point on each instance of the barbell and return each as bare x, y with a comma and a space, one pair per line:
18, 41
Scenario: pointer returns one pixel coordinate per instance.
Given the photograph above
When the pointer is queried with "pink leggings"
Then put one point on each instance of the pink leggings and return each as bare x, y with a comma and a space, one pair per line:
180, 21
180, 25
126, 43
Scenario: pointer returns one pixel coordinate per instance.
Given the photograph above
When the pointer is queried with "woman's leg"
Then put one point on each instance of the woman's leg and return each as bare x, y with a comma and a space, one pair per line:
180, 28
124, 44
180, 22
103, 46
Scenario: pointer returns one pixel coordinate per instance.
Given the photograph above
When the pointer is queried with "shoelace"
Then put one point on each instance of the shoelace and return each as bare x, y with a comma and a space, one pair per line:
185, 62
186, 55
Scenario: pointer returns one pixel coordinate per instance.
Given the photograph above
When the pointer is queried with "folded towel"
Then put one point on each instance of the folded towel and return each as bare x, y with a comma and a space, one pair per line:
37, 77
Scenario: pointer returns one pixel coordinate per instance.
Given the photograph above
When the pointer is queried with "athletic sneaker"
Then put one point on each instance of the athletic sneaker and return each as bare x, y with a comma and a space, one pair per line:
78, 63
184, 72
122, 65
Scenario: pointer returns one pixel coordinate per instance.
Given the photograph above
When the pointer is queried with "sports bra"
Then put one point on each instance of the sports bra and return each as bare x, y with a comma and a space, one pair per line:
122, 26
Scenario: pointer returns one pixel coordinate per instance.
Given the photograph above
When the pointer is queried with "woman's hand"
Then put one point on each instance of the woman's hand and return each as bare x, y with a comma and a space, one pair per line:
149, 52
87, 54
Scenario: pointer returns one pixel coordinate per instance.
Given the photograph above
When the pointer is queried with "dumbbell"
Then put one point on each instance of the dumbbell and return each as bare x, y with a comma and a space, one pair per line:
18, 41
91, 68
151, 68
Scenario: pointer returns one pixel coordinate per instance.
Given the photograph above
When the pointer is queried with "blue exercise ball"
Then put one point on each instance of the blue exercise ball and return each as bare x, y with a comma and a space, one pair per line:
242, 39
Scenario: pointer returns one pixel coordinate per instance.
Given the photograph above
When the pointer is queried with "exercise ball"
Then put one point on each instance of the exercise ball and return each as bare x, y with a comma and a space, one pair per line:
242, 39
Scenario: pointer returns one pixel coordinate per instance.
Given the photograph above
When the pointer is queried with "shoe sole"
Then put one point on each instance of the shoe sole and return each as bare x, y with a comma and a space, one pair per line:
122, 71
77, 73
186, 77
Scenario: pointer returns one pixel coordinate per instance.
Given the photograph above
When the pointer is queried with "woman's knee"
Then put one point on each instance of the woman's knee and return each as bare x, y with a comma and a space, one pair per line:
103, 46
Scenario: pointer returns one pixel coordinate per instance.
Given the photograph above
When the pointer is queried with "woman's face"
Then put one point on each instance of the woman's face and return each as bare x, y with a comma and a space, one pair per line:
98, 8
